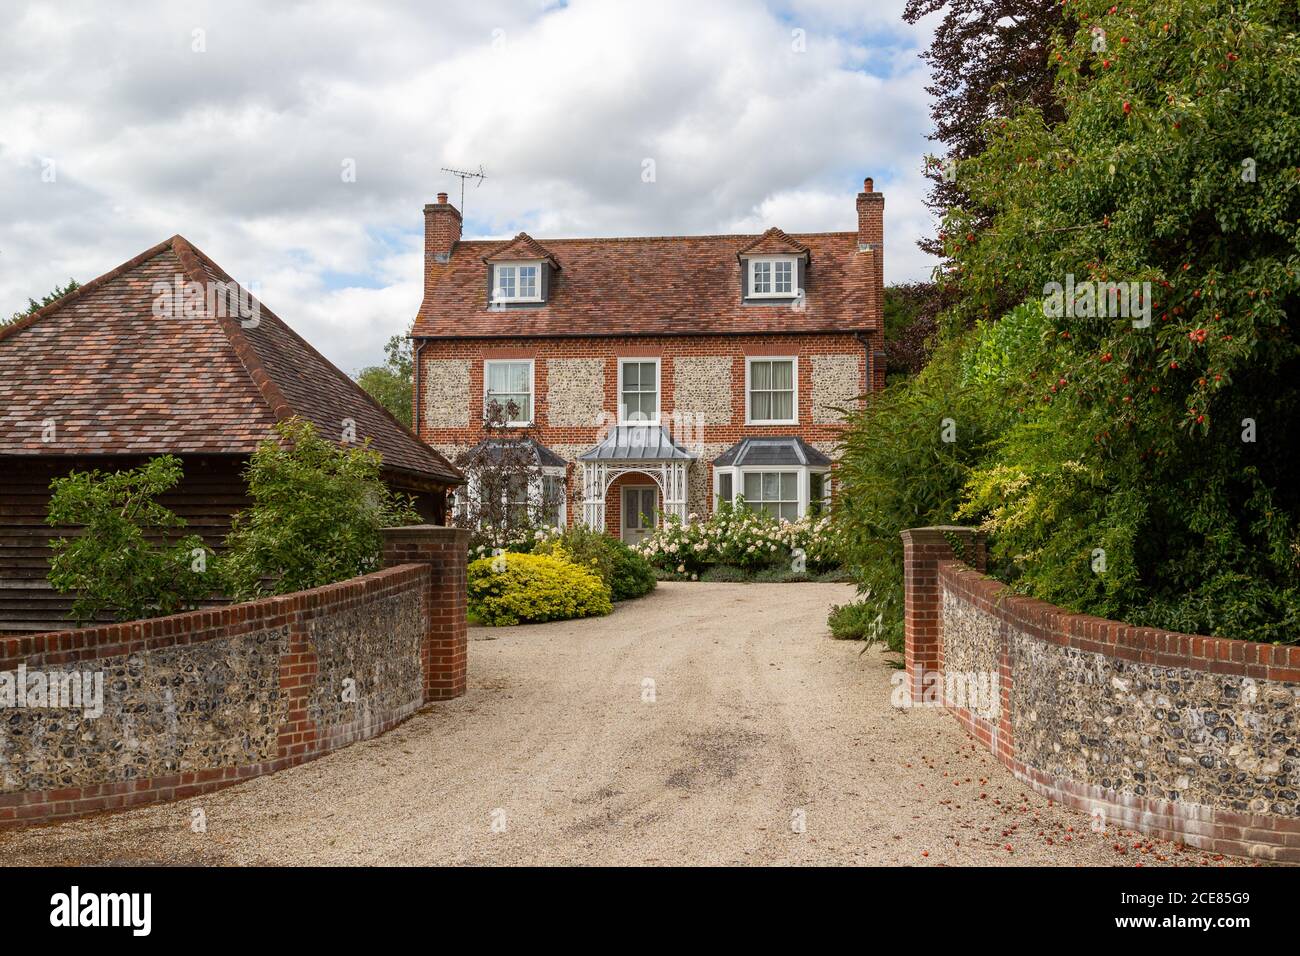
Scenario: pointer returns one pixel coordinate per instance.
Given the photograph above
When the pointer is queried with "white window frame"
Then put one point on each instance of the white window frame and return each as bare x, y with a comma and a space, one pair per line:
560, 475
532, 388
800, 485
518, 264
826, 490
794, 383
536, 493
771, 261
659, 390
803, 482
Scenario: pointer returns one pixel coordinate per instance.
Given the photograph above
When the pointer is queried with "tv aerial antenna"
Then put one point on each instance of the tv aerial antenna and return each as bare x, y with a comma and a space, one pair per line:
462, 175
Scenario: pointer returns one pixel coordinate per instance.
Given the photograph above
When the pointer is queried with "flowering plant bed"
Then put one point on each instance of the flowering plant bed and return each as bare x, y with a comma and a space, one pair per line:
736, 543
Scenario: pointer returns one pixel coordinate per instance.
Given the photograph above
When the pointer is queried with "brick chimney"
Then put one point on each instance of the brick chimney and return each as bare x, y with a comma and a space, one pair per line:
441, 233
871, 234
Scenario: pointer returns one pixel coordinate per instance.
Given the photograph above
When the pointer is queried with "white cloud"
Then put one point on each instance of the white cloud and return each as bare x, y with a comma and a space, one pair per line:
240, 147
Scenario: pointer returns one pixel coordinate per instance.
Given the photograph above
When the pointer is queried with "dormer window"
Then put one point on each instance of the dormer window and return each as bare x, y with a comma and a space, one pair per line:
774, 266
516, 282
772, 278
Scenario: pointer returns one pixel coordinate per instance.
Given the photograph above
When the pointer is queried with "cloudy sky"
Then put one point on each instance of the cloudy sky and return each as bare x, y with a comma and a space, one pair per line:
237, 124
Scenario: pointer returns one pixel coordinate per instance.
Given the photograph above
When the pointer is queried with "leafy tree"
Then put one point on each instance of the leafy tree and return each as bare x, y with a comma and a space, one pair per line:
317, 513
32, 305
988, 59
126, 561
1150, 474
390, 384
507, 496
911, 320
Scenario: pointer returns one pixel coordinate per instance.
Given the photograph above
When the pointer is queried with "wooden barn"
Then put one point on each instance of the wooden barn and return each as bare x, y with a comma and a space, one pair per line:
166, 354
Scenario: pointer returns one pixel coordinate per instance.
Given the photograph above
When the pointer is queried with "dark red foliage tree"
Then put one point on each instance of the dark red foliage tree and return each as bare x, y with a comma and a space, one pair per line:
987, 59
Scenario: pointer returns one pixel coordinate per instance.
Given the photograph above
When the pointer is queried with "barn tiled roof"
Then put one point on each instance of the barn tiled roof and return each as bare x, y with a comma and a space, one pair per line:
676, 285
112, 377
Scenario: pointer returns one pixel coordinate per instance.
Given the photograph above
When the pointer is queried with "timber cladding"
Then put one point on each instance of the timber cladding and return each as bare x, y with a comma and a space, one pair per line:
207, 497
211, 492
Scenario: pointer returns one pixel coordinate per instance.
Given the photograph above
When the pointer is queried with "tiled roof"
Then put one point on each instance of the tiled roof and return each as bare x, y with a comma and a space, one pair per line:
774, 242
522, 246
114, 378
687, 285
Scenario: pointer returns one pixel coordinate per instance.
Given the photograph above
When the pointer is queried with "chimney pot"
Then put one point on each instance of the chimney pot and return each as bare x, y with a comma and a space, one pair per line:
442, 197
868, 185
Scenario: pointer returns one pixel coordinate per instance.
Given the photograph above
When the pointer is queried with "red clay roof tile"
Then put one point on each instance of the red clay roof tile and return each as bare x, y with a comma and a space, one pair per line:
113, 377
674, 285
774, 242
522, 246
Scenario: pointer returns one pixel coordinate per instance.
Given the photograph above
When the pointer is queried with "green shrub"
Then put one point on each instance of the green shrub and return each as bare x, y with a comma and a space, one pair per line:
897, 471
316, 518
834, 576
625, 572
126, 561
858, 621
522, 588
633, 576
780, 575
1133, 485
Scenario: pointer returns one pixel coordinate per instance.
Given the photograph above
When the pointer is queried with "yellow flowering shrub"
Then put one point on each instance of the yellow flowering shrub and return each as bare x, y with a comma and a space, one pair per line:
515, 588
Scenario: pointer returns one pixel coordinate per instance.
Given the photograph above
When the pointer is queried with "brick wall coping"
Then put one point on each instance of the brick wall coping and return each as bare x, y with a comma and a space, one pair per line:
1144, 645
52, 648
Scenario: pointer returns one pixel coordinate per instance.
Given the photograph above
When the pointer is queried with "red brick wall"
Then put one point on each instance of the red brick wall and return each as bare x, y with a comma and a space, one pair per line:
431, 571
442, 225
444, 552
667, 349
931, 570
923, 549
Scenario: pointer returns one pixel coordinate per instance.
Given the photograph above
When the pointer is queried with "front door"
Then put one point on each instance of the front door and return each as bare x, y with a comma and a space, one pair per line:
640, 511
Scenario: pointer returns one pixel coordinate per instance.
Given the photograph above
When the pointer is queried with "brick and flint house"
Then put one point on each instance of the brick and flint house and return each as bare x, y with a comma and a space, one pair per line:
166, 354
654, 375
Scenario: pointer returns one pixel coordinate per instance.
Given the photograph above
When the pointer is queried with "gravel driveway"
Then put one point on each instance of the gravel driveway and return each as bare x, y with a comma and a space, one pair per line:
560, 754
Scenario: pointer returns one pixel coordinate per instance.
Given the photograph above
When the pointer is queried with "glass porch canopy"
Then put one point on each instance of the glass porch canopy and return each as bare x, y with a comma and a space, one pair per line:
634, 449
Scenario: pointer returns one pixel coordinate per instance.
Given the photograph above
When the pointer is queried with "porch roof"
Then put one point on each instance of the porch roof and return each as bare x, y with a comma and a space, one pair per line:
772, 451
493, 449
637, 443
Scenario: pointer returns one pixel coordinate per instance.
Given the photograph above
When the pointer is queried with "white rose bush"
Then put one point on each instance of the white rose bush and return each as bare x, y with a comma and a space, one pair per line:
749, 541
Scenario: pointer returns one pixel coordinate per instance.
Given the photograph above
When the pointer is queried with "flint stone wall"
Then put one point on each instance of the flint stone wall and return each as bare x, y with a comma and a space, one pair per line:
201, 700
1183, 737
